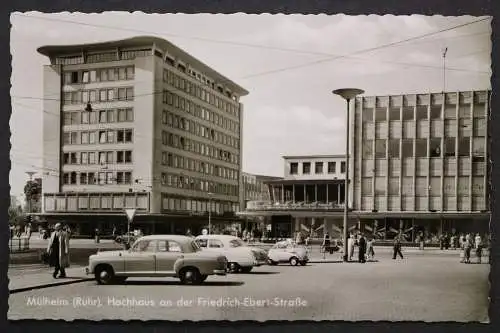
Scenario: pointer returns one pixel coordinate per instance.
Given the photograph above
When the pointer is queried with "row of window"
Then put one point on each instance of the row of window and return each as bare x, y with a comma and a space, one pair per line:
98, 116
101, 57
186, 163
198, 111
178, 203
99, 75
99, 95
97, 178
197, 184
180, 142
391, 186
435, 147
212, 97
187, 125
410, 113
318, 167
100, 157
98, 137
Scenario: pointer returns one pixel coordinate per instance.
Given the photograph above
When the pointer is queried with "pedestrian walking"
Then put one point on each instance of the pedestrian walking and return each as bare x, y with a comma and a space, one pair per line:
421, 240
370, 252
58, 251
397, 247
467, 249
362, 249
479, 252
453, 240
350, 246
477, 241
327, 244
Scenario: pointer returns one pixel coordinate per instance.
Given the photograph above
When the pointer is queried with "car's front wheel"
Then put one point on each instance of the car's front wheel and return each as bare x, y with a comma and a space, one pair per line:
303, 263
233, 267
294, 261
247, 269
272, 262
190, 275
104, 274
203, 278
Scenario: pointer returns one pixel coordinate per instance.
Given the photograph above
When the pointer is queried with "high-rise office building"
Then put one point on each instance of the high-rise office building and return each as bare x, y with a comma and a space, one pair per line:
138, 123
420, 163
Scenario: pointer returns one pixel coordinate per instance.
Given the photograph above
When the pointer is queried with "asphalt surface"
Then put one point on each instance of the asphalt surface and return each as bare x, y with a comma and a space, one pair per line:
420, 287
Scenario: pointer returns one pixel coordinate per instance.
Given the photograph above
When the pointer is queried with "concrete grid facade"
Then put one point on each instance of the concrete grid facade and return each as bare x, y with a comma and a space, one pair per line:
163, 135
422, 156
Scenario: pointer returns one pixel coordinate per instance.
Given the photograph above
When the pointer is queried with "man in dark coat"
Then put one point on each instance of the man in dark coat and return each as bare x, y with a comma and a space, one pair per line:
397, 247
362, 249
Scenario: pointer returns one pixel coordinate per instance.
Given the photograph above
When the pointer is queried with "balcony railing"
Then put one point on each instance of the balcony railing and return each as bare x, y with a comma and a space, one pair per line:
267, 205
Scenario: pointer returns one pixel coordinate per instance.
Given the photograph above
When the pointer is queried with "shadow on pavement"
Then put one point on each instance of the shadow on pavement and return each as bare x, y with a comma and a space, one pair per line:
259, 273
178, 283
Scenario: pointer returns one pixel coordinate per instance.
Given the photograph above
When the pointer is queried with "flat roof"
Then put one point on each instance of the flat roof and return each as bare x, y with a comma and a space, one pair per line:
312, 156
304, 181
424, 93
55, 50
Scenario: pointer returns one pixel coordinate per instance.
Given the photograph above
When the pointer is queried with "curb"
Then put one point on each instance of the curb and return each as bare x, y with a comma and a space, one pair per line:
48, 285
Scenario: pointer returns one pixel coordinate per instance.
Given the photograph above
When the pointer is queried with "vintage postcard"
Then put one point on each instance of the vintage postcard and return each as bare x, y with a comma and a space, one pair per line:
250, 167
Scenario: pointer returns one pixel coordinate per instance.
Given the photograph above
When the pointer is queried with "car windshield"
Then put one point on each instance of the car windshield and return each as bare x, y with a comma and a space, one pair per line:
236, 243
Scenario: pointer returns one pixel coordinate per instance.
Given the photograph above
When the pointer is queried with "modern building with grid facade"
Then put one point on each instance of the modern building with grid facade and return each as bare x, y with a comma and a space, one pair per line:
310, 198
420, 163
139, 123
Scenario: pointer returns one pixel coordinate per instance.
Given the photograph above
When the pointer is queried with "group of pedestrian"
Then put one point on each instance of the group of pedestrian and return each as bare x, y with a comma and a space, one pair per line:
467, 243
365, 247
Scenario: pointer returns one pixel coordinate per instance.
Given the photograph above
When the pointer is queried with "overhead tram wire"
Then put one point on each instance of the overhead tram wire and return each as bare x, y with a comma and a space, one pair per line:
263, 46
383, 46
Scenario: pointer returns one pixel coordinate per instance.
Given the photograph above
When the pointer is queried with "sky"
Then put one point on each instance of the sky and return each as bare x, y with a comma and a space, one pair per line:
288, 63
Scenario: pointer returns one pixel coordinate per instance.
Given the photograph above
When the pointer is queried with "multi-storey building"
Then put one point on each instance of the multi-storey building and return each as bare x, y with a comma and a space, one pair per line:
255, 188
309, 198
420, 163
139, 123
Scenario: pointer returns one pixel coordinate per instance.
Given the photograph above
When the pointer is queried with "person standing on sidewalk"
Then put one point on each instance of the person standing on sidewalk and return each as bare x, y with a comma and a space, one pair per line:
58, 251
370, 252
362, 249
397, 247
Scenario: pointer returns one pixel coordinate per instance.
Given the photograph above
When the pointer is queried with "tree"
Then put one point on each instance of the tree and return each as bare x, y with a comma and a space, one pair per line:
32, 191
15, 216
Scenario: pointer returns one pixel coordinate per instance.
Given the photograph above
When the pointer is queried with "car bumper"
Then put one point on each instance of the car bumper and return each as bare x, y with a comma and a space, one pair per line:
258, 263
219, 271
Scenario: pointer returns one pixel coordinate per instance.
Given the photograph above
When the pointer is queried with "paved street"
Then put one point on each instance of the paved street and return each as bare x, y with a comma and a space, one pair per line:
421, 287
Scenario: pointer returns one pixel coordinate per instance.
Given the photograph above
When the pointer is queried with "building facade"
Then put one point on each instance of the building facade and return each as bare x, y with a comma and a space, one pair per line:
255, 188
310, 198
139, 123
420, 163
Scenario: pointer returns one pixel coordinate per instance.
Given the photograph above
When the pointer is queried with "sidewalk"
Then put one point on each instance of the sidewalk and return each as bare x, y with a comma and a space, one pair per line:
43, 279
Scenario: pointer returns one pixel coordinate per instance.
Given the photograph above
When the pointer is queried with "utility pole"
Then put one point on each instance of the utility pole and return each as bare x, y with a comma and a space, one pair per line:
28, 198
444, 69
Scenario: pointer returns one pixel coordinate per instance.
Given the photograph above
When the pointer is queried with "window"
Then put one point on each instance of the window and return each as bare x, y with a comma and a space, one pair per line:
449, 147
128, 156
85, 138
380, 114
342, 167
306, 168
367, 148
83, 178
436, 112
122, 94
202, 242
120, 157
111, 116
91, 158
73, 178
103, 95
294, 168
145, 246
102, 116
435, 146
85, 77
111, 94
331, 167
85, 158
421, 112
174, 247
394, 114
394, 148
103, 138
93, 76
318, 168
408, 113
380, 148
421, 148
464, 146
128, 135
215, 243
130, 94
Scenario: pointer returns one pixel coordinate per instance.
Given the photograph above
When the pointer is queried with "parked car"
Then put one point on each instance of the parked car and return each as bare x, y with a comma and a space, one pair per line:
240, 257
157, 256
289, 252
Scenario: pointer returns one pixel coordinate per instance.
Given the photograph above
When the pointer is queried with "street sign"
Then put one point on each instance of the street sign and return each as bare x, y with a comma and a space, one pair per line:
130, 214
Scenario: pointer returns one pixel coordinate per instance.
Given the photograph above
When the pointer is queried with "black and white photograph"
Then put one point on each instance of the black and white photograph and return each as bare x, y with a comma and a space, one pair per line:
250, 167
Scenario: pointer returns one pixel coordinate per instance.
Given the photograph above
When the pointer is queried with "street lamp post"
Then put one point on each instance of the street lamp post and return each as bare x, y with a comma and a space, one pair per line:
347, 94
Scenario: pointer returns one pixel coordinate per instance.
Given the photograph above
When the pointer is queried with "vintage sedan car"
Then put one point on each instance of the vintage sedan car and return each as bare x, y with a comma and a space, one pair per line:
240, 257
288, 252
157, 256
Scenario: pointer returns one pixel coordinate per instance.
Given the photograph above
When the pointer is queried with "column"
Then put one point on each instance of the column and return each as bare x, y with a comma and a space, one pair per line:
305, 198
413, 230
385, 228
293, 193
327, 185
297, 224
338, 194
315, 192
282, 193
457, 152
